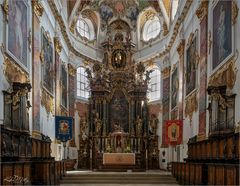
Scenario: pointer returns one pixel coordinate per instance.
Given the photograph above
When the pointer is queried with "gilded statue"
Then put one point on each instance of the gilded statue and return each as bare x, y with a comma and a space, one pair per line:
153, 123
83, 128
138, 126
98, 125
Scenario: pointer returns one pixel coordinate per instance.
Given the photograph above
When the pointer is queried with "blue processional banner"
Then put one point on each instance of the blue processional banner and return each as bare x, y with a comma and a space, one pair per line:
63, 128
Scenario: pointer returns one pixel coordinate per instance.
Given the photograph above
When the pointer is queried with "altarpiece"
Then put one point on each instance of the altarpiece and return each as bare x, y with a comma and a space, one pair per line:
118, 120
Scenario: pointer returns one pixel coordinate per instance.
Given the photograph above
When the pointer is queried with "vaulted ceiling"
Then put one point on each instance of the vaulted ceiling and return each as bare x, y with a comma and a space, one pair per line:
109, 9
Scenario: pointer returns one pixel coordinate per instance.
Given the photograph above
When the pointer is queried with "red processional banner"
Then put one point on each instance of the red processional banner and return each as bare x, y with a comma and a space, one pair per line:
174, 130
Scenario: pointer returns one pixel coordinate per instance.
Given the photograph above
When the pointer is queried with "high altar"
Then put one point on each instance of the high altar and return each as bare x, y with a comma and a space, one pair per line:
118, 133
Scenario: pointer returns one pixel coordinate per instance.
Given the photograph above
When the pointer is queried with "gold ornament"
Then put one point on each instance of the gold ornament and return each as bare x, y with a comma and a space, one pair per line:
37, 7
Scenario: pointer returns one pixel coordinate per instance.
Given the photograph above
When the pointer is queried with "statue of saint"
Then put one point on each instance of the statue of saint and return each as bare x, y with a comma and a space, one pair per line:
153, 125
98, 125
138, 126
83, 128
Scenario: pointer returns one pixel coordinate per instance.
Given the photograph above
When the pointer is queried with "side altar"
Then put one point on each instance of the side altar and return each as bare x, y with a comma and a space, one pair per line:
118, 124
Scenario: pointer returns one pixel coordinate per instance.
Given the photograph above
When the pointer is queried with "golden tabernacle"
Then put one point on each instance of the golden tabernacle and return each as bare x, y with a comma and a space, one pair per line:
118, 159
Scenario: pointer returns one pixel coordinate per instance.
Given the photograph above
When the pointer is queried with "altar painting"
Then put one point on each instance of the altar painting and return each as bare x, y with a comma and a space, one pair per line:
174, 88
64, 86
191, 67
17, 31
222, 32
47, 61
119, 111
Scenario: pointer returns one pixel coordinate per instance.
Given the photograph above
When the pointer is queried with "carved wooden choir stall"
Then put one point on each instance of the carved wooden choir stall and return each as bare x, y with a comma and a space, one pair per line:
213, 161
24, 160
118, 133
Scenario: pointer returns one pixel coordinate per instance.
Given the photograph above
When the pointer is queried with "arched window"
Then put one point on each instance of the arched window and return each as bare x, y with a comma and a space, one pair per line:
151, 29
154, 85
85, 28
82, 83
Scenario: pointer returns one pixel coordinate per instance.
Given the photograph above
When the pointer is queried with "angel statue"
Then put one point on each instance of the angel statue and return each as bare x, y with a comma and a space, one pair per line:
138, 126
98, 125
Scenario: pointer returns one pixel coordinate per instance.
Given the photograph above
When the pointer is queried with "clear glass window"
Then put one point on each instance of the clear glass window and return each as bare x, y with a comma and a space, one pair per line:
82, 83
154, 85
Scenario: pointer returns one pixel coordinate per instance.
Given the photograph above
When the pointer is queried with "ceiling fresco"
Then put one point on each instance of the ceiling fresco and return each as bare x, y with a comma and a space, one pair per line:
125, 9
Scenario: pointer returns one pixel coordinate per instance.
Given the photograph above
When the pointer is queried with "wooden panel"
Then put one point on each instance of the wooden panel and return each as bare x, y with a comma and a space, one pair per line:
34, 148
203, 149
190, 151
192, 174
220, 175
221, 149
237, 146
18, 173
186, 180
194, 152
208, 153
230, 171
211, 174
214, 150
183, 165
229, 147
7, 174
198, 174
27, 174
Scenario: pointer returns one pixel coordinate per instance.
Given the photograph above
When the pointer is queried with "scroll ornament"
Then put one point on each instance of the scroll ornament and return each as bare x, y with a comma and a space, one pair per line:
191, 105
225, 75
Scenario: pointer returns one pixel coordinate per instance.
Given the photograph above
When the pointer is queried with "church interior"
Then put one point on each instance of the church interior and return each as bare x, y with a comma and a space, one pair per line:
119, 92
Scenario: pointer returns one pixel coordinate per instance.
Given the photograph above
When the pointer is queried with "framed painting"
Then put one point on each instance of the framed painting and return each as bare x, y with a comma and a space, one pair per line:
223, 33
64, 86
191, 70
48, 72
17, 32
174, 87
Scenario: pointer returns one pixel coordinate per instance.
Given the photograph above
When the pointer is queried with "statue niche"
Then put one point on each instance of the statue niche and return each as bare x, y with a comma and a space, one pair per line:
119, 111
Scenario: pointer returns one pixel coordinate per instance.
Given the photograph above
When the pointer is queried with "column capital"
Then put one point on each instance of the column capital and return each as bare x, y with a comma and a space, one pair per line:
202, 10
180, 47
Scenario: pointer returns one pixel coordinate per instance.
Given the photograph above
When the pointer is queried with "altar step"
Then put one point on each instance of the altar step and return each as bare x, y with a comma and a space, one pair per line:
118, 178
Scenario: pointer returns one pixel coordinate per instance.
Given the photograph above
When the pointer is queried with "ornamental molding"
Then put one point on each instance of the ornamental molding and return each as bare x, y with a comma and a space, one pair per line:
190, 39
57, 45
4, 6
226, 75
166, 72
37, 7
13, 72
47, 101
235, 10
180, 48
202, 10
71, 70
191, 105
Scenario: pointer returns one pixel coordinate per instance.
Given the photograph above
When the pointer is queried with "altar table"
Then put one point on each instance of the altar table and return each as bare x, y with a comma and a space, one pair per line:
119, 159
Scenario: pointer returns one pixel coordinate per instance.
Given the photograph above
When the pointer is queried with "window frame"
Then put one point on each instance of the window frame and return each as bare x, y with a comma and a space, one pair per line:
154, 22
82, 81
157, 84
